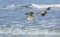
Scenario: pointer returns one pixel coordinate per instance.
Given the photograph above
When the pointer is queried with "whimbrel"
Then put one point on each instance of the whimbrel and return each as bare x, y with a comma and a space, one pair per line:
43, 12
30, 16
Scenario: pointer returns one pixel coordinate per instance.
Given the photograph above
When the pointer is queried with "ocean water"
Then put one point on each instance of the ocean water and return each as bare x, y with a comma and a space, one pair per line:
13, 24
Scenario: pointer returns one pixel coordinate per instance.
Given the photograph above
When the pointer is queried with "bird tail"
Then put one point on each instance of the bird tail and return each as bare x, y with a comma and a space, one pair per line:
48, 8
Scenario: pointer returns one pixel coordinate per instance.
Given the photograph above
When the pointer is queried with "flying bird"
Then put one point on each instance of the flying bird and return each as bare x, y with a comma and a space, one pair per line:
30, 16
44, 12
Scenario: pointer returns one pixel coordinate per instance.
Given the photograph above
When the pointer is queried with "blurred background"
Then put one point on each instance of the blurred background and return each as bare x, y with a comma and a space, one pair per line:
13, 24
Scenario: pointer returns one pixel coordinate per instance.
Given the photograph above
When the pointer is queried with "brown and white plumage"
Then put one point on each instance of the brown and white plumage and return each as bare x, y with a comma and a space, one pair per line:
43, 12
30, 16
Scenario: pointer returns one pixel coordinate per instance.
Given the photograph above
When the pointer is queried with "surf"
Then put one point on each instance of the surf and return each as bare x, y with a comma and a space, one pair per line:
14, 6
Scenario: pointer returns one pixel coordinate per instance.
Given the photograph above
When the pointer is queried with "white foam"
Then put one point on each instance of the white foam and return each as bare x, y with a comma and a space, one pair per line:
13, 6
45, 5
16, 30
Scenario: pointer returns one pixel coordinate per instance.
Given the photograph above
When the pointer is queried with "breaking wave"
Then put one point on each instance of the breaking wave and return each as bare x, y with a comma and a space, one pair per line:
16, 28
29, 29
13, 6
